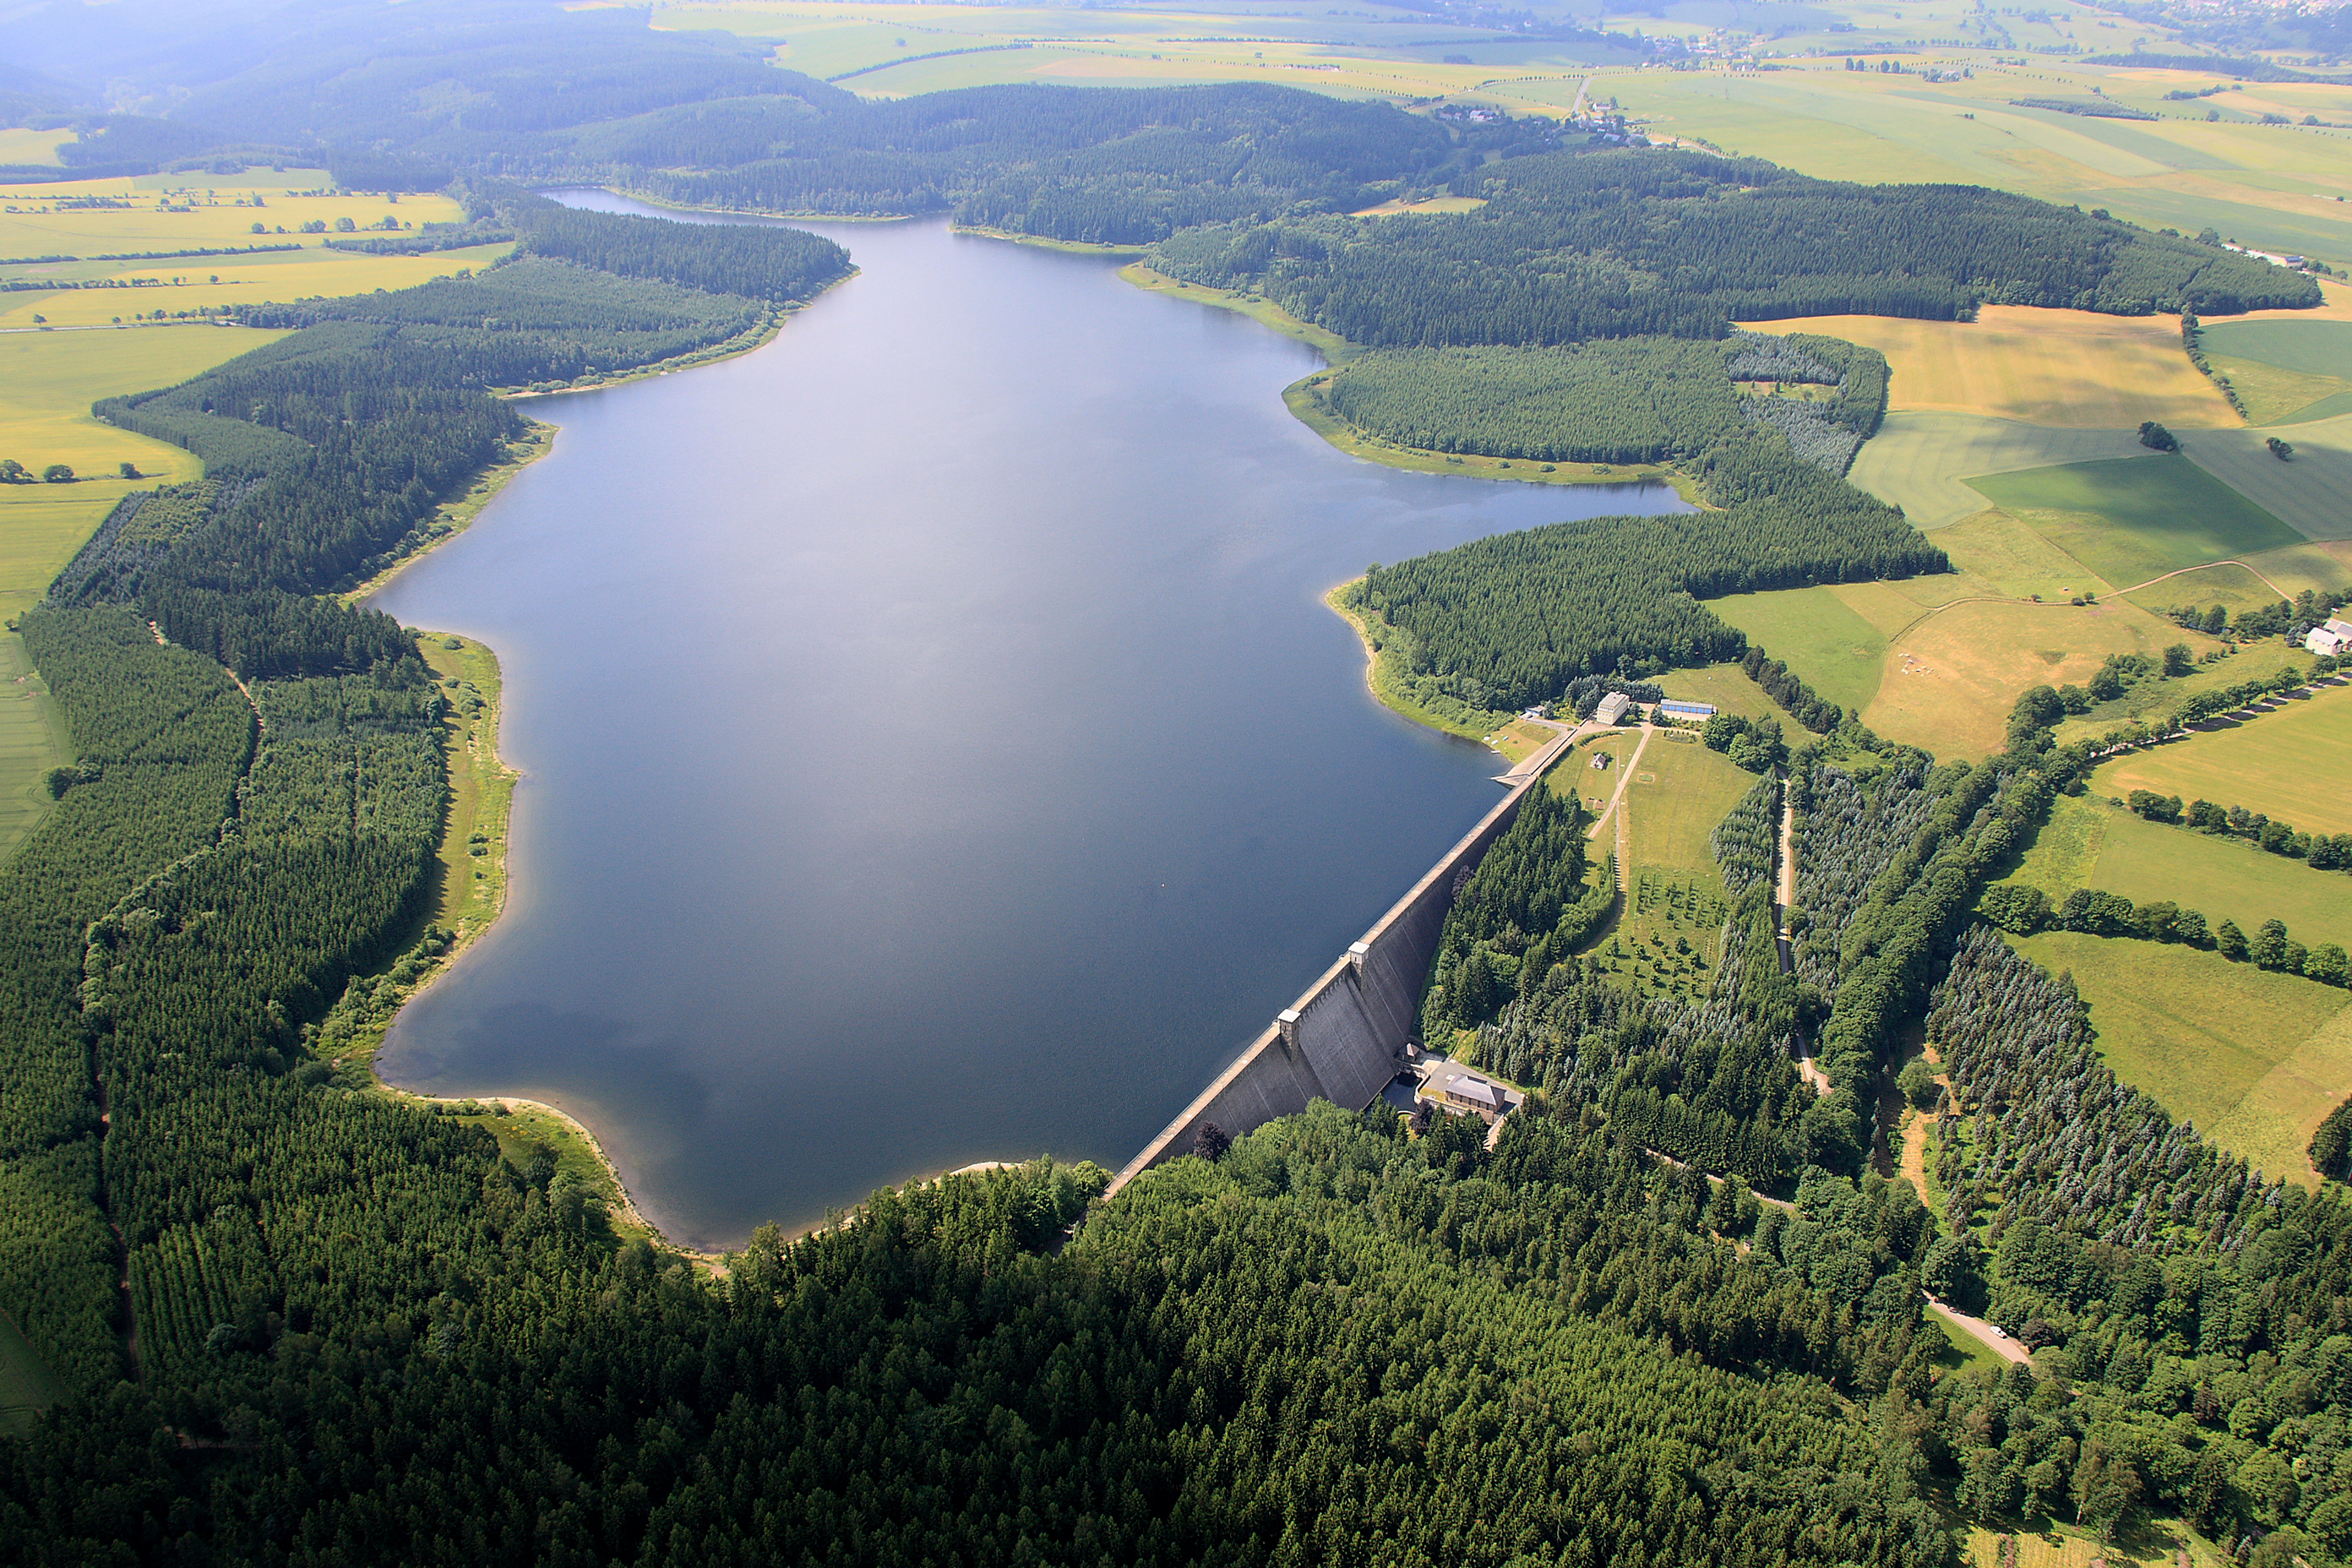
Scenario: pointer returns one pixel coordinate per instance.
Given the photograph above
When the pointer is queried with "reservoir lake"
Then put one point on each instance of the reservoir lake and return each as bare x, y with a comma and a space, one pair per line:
934, 747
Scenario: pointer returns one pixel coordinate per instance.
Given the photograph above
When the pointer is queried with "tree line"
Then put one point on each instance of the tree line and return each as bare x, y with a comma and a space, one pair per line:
2022, 909
2320, 851
2199, 1308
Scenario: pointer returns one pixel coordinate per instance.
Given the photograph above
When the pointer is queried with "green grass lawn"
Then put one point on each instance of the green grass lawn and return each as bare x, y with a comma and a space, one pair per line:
1963, 1351
2254, 1059
1920, 460
1727, 689
2307, 361
2294, 764
2273, 395
2131, 521
1680, 791
2089, 843
1669, 937
1840, 655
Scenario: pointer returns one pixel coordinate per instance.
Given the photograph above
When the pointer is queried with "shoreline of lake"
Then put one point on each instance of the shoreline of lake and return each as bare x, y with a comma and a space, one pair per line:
705, 910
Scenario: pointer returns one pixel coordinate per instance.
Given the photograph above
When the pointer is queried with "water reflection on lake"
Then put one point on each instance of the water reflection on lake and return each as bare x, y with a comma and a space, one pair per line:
934, 749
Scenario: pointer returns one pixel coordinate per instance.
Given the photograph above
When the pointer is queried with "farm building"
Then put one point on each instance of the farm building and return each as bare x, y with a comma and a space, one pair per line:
1686, 712
2329, 639
1612, 708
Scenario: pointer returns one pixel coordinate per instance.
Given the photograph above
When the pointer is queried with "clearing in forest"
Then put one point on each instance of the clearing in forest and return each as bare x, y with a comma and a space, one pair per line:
2295, 763
2150, 1543
2067, 369
27, 1387
2255, 1059
1669, 936
2131, 521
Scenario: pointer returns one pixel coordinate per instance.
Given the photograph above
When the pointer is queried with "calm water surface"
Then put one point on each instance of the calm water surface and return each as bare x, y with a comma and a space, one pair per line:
935, 750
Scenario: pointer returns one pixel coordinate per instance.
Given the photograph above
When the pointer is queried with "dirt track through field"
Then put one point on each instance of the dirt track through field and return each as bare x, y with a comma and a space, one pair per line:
1616, 809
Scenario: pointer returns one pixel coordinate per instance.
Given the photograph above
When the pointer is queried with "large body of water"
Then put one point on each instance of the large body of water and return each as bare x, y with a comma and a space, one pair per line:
934, 748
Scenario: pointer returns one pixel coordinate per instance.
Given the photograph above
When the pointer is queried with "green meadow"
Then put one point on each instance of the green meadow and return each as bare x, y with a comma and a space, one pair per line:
1840, 655
2255, 1059
2130, 521
2307, 490
1921, 460
2292, 765
2091, 843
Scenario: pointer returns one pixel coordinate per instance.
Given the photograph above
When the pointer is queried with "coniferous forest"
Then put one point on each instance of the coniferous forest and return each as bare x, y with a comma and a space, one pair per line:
1673, 1313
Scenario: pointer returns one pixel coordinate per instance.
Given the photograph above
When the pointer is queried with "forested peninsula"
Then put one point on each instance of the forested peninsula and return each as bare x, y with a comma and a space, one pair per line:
304, 1322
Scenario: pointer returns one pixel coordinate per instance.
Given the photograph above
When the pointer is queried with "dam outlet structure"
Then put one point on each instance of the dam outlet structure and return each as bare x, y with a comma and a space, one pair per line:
1343, 1039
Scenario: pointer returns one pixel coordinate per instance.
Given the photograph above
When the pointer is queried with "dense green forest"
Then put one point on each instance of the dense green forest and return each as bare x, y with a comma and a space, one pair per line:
1511, 620
1613, 400
1628, 400
305, 1321
1596, 244
2205, 1310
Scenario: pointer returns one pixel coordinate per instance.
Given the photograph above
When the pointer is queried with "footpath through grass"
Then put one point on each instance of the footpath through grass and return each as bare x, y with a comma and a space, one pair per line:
1668, 935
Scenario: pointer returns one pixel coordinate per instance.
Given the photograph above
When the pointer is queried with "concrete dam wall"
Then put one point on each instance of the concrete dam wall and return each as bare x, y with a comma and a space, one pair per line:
1340, 1041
